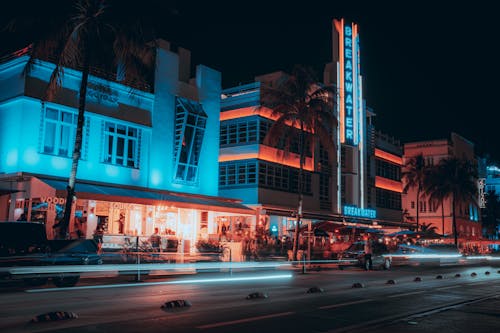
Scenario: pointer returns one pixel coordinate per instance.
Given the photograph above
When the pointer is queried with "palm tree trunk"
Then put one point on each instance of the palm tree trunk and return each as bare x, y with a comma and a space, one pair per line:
297, 227
418, 205
455, 231
77, 147
300, 189
442, 215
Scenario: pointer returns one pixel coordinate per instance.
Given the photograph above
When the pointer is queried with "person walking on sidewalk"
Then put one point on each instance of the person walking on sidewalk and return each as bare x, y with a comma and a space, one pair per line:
368, 254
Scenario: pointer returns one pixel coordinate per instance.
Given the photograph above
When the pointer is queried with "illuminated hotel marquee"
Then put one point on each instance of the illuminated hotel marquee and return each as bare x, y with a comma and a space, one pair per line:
360, 212
351, 103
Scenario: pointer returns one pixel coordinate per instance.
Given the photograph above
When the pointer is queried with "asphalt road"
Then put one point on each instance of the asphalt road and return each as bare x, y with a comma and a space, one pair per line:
450, 304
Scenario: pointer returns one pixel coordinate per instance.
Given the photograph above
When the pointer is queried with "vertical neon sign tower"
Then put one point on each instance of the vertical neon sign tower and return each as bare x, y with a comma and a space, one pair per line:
351, 112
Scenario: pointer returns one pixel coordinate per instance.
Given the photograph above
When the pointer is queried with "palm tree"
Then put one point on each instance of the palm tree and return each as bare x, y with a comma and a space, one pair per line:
413, 176
459, 183
94, 36
428, 228
434, 189
304, 111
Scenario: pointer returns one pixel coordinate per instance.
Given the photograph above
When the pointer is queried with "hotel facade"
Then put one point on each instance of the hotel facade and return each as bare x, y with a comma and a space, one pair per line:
363, 186
149, 155
186, 157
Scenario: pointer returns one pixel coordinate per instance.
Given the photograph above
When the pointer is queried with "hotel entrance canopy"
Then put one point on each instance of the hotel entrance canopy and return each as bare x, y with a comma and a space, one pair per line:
148, 197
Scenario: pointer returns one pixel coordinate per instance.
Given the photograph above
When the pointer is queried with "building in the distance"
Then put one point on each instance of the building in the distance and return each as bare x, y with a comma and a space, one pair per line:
492, 181
149, 158
467, 214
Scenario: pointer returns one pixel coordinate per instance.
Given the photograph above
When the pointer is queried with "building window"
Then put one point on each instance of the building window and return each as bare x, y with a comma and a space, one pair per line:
388, 170
291, 141
190, 123
324, 191
388, 199
284, 178
121, 144
343, 155
204, 220
264, 126
423, 206
59, 132
413, 205
343, 197
238, 132
432, 206
237, 173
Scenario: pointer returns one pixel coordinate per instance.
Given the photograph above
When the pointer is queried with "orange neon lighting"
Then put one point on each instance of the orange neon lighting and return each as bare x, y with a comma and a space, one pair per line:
270, 154
252, 111
246, 112
388, 156
339, 25
388, 184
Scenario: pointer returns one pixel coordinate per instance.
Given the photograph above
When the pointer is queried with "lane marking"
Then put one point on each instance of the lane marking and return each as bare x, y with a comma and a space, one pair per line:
239, 321
406, 294
345, 304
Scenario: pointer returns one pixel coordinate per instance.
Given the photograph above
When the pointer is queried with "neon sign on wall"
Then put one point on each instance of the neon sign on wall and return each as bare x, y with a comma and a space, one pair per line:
348, 86
351, 101
360, 212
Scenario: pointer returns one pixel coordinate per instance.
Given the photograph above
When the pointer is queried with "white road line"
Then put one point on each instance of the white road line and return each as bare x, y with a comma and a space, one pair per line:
239, 321
345, 304
406, 294
449, 287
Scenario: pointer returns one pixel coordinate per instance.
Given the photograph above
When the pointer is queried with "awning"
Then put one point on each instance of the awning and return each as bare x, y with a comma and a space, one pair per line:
148, 197
4, 191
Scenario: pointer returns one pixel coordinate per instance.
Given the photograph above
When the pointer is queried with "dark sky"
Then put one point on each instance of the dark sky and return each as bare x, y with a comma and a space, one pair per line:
429, 68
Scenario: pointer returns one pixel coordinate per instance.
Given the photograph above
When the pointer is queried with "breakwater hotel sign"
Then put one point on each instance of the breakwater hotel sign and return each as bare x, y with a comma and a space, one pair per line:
351, 103
351, 115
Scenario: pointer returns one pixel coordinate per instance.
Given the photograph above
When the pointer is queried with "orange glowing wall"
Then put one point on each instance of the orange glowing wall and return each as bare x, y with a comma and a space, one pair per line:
253, 111
246, 112
270, 154
388, 184
339, 26
388, 156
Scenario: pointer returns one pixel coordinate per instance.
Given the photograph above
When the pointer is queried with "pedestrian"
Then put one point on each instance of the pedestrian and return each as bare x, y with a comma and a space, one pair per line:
155, 240
368, 254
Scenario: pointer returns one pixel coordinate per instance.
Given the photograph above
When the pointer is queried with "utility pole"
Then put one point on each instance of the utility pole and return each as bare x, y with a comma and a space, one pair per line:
309, 231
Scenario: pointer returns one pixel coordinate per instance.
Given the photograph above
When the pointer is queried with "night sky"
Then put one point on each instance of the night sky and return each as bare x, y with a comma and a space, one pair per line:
429, 68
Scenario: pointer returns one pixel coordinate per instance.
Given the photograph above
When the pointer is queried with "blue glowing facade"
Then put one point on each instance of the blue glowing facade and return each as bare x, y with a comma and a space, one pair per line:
131, 137
161, 142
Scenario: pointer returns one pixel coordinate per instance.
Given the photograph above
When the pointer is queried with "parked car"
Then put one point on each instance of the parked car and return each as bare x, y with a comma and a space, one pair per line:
26, 244
354, 255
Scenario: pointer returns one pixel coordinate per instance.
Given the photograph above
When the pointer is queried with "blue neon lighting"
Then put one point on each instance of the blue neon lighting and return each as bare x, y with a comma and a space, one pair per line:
360, 212
348, 85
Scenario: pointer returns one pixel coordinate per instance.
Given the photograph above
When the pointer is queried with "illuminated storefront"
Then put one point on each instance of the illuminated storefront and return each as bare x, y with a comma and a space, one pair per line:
115, 214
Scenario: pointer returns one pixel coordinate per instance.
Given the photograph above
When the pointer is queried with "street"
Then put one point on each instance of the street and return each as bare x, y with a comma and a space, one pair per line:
448, 304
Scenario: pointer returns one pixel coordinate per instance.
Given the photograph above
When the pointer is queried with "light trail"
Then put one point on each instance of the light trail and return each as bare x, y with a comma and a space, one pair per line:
54, 269
188, 281
139, 267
